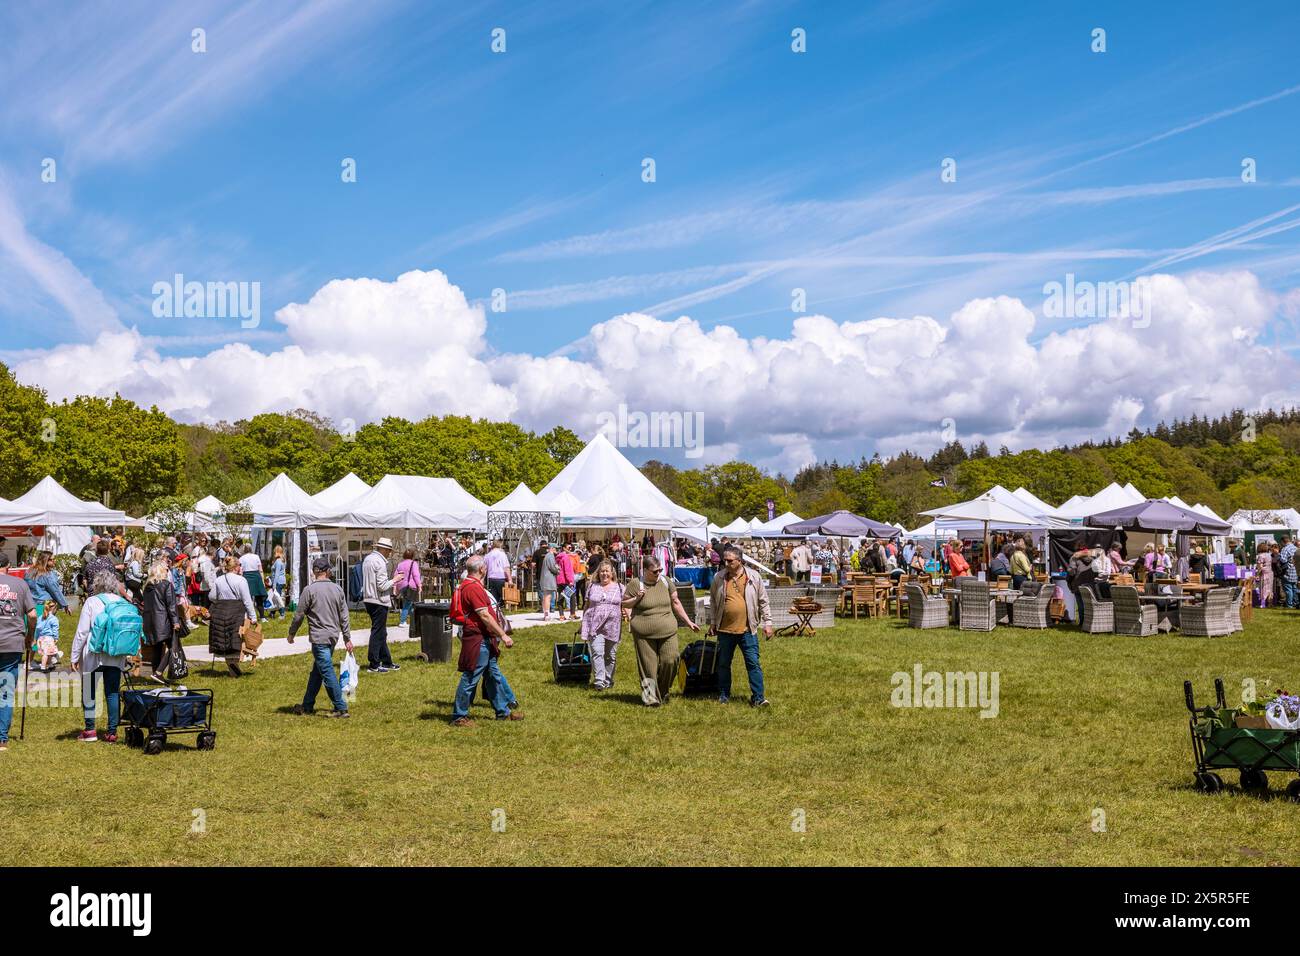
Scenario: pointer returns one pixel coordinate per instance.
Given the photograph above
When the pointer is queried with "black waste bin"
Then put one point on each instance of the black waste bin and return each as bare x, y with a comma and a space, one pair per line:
432, 621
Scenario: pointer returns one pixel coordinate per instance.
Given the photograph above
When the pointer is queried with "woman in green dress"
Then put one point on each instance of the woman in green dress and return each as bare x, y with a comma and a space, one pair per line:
654, 610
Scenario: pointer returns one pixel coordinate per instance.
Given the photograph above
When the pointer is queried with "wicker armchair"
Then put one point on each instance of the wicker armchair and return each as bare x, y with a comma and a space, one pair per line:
780, 599
1030, 610
923, 610
1130, 616
1234, 612
1098, 615
829, 599
1213, 618
979, 610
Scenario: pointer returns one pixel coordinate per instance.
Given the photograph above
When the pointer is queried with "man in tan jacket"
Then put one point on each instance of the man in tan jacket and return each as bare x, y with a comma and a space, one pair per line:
739, 607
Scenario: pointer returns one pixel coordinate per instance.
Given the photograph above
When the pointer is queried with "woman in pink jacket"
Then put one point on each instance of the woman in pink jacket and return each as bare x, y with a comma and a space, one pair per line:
564, 580
407, 583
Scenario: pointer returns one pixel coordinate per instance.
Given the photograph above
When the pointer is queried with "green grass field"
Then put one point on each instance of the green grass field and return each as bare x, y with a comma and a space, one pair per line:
1085, 723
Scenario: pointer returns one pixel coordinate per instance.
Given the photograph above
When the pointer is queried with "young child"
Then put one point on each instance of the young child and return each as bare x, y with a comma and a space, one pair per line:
47, 636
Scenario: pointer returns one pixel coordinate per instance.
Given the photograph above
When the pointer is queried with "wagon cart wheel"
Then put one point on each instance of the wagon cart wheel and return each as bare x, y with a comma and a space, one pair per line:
1213, 783
423, 656
154, 744
1254, 780
208, 740
1293, 790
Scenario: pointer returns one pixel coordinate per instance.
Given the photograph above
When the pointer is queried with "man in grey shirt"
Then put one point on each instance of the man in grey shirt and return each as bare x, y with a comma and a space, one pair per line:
325, 607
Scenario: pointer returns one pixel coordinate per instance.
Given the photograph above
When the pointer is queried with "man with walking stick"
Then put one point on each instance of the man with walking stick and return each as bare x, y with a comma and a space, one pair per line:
17, 625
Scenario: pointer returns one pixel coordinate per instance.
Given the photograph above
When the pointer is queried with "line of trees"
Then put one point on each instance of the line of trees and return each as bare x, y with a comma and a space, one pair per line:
142, 461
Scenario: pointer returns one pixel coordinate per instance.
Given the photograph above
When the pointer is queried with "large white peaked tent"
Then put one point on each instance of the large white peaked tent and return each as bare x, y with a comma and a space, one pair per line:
1109, 498
408, 502
346, 489
211, 505
66, 518
776, 527
49, 503
521, 498
277, 503
600, 488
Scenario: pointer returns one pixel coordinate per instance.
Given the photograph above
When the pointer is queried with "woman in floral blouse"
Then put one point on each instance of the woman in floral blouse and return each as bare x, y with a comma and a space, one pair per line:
601, 623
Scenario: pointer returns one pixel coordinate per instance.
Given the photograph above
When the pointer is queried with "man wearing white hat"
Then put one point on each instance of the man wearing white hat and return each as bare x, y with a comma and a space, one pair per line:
376, 593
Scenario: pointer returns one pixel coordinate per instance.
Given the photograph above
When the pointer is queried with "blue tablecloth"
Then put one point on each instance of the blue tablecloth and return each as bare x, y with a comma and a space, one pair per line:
698, 577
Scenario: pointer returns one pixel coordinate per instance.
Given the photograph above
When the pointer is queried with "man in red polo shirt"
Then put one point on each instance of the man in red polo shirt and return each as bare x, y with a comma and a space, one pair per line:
481, 639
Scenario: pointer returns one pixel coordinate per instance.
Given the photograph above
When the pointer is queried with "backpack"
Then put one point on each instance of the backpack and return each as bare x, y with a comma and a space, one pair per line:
118, 628
457, 612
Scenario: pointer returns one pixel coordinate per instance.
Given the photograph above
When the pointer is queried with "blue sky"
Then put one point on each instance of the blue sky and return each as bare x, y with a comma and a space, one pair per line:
775, 170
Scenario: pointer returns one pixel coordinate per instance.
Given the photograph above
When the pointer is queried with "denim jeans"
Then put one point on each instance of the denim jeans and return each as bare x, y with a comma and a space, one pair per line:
406, 610
377, 649
322, 672
748, 644
9, 666
112, 696
1289, 592
496, 686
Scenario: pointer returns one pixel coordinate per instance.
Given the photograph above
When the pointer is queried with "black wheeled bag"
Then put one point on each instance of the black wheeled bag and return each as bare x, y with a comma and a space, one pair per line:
698, 669
571, 663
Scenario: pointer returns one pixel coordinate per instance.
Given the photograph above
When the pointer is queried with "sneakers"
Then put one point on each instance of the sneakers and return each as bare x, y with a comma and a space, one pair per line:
108, 738
340, 714
393, 667
512, 715
463, 722
88, 737
300, 710
760, 703
4, 745
724, 699
377, 669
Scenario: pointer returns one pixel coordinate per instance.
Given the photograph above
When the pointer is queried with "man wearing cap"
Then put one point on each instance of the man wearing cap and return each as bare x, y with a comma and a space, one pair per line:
376, 594
325, 607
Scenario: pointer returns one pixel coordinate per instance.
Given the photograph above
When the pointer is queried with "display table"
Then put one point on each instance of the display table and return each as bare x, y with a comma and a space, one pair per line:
698, 576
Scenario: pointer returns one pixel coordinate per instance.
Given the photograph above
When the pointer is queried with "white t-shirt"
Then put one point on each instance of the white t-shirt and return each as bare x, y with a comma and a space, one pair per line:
250, 562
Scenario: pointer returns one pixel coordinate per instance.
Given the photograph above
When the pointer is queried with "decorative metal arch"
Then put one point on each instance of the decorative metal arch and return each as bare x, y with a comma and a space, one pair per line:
522, 530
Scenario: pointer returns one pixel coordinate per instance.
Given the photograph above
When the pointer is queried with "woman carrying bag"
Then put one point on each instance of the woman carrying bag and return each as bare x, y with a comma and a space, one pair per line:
232, 604
160, 618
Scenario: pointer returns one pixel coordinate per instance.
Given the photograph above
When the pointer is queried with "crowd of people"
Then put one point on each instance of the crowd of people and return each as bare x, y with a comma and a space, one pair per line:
174, 585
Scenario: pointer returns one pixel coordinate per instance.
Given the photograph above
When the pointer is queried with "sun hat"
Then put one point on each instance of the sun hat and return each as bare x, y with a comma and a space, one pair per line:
384, 543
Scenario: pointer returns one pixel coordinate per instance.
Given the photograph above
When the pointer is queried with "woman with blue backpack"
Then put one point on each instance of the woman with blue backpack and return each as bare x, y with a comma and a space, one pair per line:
108, 631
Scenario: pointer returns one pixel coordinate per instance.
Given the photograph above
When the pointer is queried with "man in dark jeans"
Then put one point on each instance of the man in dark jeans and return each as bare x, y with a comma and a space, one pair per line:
376, 593
326, 610
739, 606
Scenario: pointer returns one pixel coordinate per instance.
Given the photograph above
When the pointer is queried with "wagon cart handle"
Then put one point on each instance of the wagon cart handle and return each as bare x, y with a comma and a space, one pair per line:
1187, 695
1218, 692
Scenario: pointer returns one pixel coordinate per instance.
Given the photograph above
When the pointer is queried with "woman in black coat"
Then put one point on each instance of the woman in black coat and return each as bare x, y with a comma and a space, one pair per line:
161, 622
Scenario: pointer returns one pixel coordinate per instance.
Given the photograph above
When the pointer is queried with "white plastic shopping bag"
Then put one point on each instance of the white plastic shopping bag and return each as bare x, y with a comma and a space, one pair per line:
1278, 719
348, 676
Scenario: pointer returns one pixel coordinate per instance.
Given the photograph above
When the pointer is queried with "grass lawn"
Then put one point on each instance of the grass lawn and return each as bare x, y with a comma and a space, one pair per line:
1085, 722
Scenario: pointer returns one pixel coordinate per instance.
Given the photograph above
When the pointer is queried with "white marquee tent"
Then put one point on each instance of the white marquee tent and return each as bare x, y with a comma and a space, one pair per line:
600, 488
66, 519
211, 505
276, 504
404, 501
521, 498
346, 489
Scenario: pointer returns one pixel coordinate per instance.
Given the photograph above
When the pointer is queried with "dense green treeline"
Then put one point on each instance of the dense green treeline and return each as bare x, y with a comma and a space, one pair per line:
143, 461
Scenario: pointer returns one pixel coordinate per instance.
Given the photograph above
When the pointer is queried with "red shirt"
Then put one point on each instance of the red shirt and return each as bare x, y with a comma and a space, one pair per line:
957, 564
473, 596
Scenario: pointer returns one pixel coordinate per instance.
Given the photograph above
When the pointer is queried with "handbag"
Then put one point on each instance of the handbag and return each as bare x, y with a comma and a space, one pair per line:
251, 636
177, 665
